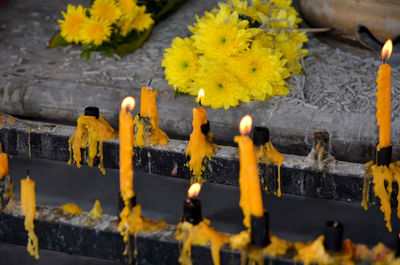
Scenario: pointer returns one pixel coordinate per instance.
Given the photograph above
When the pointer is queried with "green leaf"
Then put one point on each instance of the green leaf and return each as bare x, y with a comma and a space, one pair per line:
133, 42
57, 40
167, 9
178, 93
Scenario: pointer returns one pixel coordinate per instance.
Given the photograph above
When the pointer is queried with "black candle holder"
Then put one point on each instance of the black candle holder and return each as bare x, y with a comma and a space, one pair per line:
384, 156
205, 128
260, 136
259, 231
121, 203
192, 211
92, 111
333, 233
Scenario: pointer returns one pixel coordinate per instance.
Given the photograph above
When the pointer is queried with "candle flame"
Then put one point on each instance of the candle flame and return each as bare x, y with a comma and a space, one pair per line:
200, 95
128, 103
387, 49
194, 190
245, 124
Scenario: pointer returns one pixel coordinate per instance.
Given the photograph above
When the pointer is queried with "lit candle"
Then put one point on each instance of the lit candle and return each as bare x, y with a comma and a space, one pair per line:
126, 149
148, 109
199, 145
383, 95
192, 206
28, 209
250, 190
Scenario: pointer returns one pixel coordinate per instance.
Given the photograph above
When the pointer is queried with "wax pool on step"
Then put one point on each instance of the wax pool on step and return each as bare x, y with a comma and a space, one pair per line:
250, 190
28, 209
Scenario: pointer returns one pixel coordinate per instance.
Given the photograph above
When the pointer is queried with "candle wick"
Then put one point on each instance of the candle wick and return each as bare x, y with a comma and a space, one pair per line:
150, 82
200, 102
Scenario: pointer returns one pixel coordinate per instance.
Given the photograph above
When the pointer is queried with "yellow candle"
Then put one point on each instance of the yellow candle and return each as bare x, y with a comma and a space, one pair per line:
148, 108
126, 148
28, 208
383, 94
199, 146
250, 190
3, 165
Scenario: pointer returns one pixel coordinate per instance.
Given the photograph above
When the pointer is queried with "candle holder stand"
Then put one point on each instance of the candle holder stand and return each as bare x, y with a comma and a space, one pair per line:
384, 156
205, 128
92, 111
260, 136
333, 233
259, 231
192, 211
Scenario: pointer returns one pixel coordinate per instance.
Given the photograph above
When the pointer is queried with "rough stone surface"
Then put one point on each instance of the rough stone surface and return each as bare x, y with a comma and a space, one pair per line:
336, 93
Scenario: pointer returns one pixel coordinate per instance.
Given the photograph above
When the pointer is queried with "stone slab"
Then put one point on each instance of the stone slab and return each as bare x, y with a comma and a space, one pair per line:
57, 84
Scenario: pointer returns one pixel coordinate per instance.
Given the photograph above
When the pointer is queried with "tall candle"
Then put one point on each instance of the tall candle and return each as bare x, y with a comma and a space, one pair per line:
28, 208
126, 130
383, 94
250, 190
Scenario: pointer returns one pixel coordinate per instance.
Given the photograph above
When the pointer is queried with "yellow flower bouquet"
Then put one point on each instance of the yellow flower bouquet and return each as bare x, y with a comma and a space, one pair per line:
109, 26
239, 52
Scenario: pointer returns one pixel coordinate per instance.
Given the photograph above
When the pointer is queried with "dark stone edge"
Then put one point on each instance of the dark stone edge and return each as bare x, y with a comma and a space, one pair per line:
108, 245
220, 170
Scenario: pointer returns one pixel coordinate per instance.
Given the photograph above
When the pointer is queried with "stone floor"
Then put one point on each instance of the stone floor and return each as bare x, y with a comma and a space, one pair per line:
335, 93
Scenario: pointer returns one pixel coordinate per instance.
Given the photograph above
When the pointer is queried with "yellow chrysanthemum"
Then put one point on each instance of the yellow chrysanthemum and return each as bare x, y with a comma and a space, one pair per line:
244, 9
142, 20
72, 24
106, 10
221, 87
222, 39
128, 8
95, 31
263, 7
260, 69
290, 44
181, 63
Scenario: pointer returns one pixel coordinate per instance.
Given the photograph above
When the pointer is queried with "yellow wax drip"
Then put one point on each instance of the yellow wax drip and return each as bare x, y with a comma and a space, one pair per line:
268, 154
383, 178
200, 146
313, 252
141, 136
367, 176
71, 208
97, 211
241, 241
382, 174
148, 109
132, 222
199, 234
5, 118
28, 209
90, 132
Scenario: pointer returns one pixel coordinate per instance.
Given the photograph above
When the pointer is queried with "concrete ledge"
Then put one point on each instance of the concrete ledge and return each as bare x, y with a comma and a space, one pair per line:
342, 180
